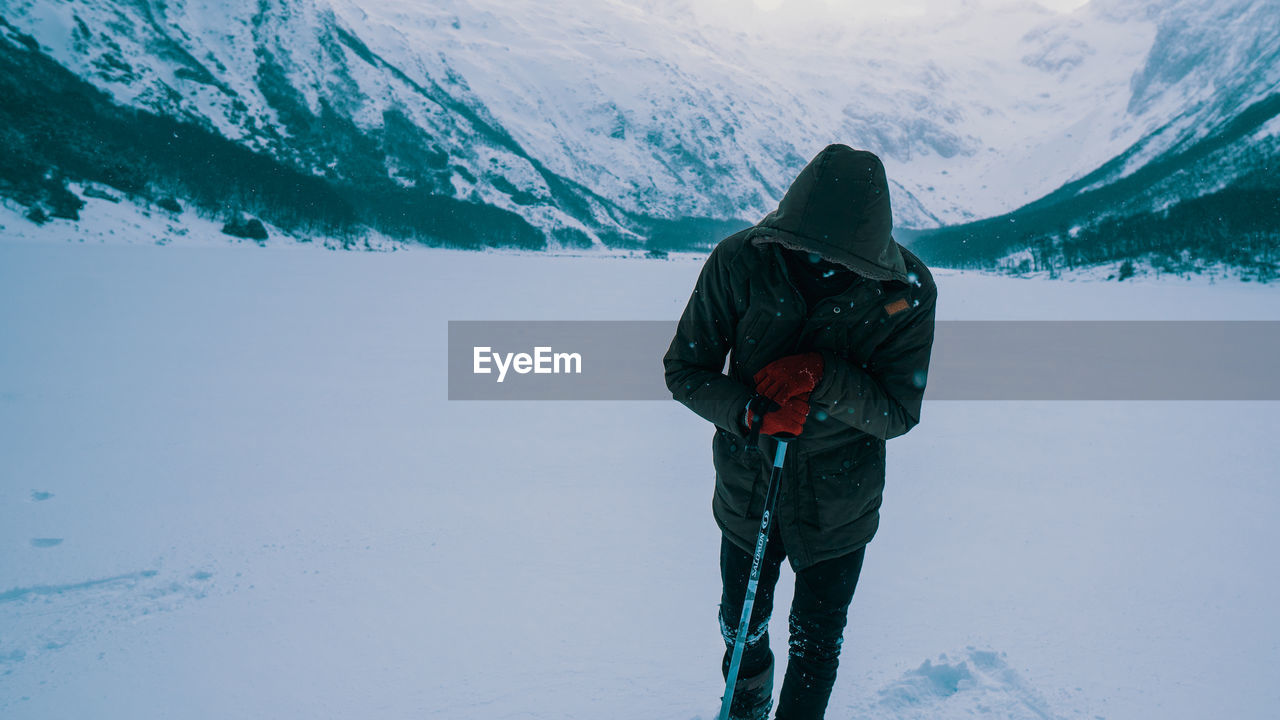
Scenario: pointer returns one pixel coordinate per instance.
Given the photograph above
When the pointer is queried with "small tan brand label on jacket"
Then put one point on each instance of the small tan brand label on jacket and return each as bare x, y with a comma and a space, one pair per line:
896, 306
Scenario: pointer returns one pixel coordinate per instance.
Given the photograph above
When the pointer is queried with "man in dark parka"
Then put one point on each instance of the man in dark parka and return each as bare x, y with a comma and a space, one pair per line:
828, 326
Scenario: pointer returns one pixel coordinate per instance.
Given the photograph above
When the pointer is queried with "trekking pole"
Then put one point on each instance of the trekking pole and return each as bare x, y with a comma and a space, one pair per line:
740, 643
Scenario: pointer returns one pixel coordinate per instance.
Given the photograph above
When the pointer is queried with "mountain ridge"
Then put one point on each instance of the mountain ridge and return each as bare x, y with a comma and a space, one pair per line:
1197, 189
638, 123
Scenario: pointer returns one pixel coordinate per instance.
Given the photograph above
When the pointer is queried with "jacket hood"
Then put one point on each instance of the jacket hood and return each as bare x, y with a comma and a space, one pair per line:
838, 207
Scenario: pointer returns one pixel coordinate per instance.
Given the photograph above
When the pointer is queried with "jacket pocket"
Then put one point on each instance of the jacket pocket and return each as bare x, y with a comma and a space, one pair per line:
846, 483
738, 467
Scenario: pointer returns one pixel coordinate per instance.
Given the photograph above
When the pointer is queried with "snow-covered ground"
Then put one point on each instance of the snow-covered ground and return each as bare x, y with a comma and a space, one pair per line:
231, 486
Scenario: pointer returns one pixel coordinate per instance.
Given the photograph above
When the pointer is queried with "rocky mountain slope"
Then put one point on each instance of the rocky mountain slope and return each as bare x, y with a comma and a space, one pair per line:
660, 122
1199, 188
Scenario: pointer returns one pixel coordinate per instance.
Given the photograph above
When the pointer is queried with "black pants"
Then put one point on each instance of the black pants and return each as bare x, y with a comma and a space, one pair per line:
819, 612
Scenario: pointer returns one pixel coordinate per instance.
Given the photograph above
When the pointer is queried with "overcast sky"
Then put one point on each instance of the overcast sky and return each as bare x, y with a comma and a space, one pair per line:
773, 15
920, 7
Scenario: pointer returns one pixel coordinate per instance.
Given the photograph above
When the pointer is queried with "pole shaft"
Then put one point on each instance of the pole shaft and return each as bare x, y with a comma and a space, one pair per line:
762, 539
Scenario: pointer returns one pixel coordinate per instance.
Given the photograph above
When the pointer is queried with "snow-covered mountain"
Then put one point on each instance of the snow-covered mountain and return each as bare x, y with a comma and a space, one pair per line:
1199, 186
597, 122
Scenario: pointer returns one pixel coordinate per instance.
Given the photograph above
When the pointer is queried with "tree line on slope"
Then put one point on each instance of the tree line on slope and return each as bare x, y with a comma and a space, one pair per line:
55, 128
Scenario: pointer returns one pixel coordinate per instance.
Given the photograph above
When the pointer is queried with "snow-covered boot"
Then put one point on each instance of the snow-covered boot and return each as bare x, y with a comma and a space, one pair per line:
753, 696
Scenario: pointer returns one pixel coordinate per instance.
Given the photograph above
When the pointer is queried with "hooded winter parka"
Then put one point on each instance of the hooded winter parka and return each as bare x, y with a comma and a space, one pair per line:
875, 339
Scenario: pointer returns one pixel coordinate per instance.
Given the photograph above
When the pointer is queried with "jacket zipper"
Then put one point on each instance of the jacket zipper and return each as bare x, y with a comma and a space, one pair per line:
800, 301
789, 458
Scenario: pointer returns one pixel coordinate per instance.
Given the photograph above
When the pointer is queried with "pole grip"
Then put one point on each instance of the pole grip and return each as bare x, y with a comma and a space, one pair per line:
780, 454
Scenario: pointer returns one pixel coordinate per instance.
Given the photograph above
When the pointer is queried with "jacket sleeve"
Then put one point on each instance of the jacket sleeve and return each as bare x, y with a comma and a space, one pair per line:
883, 396
694, 362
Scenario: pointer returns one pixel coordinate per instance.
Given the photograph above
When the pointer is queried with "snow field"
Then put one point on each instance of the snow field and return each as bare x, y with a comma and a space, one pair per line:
266, 507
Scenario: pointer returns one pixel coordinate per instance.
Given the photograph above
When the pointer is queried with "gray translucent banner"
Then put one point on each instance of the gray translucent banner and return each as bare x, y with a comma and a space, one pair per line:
972, 360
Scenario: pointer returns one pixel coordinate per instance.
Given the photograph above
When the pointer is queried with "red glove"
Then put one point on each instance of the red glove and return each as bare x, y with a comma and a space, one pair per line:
786, 419
785, 378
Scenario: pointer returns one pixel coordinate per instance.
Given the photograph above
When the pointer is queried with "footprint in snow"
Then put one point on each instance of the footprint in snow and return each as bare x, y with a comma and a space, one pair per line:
978, 684
42, 619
